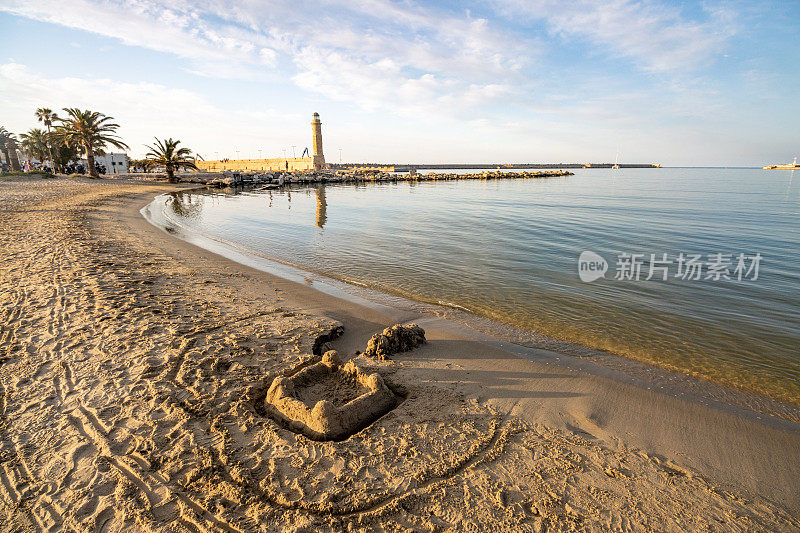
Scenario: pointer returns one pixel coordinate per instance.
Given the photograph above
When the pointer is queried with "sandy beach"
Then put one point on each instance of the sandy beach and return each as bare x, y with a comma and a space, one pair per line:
134, 368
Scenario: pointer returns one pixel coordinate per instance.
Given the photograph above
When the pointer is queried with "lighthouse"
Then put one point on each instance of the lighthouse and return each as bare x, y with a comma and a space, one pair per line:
316, 131
307, 161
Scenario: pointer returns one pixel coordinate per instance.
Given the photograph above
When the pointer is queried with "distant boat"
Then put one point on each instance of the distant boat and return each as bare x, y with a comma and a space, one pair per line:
616, 161
793, 166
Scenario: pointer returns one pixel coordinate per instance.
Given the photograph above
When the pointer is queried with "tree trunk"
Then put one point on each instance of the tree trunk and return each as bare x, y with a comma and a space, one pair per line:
170, 173
50, 150
14, 160
90, 160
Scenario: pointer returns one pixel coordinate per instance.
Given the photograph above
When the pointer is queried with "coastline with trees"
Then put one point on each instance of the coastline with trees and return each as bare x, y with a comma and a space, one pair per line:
79, 135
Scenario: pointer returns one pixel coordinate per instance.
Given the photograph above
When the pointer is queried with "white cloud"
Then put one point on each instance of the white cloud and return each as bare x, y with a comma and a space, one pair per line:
397, 56
218, 49
372, 53
655, 35
376, 85
143, 110
450, 80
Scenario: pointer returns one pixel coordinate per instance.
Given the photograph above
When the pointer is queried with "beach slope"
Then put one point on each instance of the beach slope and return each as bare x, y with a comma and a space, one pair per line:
135, 367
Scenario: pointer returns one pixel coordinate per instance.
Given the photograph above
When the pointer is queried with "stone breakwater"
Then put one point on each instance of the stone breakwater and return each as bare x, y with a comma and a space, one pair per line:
280, 179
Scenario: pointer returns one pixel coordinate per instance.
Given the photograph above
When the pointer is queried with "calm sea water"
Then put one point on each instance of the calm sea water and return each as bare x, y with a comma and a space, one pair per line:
508, 250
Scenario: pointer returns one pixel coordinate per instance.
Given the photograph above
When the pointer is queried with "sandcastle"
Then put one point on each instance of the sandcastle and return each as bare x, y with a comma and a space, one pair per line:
328, 400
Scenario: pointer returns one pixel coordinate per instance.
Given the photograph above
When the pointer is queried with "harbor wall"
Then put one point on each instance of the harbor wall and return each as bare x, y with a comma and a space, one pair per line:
262, 165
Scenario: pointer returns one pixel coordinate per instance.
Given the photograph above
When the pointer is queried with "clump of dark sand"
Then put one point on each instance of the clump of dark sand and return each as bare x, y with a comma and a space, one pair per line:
395, 339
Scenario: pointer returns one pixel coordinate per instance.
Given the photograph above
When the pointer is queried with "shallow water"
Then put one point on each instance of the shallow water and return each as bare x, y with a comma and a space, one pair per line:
508, 250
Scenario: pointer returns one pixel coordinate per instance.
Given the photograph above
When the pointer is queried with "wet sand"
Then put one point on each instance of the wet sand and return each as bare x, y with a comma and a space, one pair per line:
134, 368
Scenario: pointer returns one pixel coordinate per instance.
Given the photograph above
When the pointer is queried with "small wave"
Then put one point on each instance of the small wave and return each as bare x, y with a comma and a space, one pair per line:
354, 282
454, 306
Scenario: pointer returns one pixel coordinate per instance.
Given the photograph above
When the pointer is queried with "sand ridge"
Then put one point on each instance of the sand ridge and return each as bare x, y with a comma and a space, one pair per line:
129, 390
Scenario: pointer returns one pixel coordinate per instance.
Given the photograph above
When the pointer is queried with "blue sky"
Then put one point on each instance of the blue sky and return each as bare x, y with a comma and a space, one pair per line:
690, 83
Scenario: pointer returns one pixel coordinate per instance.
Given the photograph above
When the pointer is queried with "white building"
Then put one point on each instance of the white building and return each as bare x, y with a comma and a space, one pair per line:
114, 163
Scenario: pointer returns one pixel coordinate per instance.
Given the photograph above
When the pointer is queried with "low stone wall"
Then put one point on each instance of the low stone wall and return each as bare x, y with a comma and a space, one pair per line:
258, 165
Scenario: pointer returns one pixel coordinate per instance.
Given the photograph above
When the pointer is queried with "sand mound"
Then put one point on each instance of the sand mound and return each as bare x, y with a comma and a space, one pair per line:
395, 339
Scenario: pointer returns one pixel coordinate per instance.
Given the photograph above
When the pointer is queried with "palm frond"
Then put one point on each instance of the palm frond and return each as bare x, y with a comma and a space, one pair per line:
89, 128
167, 154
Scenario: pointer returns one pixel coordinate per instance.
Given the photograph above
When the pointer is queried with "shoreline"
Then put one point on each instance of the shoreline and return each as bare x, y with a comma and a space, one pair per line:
620, 377
671, 381
143, 350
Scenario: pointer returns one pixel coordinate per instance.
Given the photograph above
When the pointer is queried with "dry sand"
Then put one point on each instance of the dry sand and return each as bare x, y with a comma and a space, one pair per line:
134, 366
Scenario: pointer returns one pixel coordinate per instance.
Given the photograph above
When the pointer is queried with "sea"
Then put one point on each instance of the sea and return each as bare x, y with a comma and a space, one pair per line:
692, 269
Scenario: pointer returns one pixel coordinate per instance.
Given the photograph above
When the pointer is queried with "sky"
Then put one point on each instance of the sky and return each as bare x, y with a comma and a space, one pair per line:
679, 83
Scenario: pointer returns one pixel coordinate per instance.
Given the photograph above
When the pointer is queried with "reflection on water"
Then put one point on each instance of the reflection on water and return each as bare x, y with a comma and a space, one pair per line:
186, 205
322, 207
508, 250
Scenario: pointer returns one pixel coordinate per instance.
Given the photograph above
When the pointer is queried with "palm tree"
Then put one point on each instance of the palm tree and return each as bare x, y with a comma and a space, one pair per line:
8, 143
47, 117
90, 130
64, 154
35, 143
138, 163
3, 136
167, 154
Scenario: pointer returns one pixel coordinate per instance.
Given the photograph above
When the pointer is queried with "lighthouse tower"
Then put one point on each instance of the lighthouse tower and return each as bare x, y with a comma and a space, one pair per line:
316, 130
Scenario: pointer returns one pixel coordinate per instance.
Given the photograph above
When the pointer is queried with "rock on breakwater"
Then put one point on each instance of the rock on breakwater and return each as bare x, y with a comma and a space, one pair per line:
279, 179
